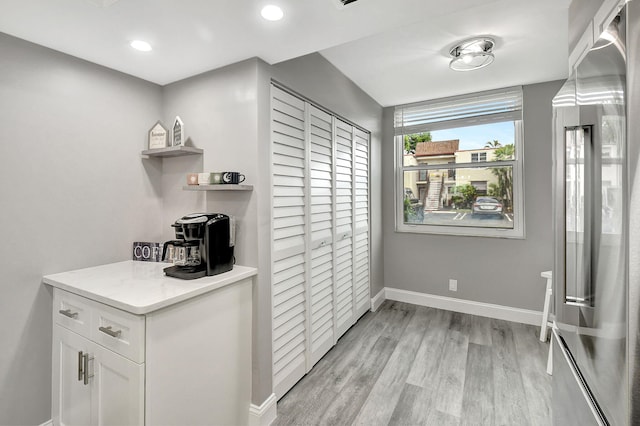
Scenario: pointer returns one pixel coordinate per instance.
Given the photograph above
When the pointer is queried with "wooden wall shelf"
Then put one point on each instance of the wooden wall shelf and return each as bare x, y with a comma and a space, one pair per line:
221, 187
172, 151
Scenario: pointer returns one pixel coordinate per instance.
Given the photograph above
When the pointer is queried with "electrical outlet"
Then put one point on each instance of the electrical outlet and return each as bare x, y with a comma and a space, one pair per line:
453, 285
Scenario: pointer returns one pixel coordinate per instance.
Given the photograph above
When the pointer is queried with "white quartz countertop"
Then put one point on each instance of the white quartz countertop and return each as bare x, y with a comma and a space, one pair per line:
140, 287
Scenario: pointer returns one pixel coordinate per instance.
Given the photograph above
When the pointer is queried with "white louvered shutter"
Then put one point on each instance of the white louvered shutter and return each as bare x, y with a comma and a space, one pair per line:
361, 222
288, 250
320, 231
321, 237
343, 250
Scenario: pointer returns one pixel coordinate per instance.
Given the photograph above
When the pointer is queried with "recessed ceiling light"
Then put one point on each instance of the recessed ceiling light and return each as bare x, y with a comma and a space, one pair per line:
140, 45
272, 13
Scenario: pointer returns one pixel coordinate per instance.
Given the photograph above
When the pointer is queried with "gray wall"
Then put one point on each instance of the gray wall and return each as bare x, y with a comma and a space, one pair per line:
74, 193
491, 270
219, 111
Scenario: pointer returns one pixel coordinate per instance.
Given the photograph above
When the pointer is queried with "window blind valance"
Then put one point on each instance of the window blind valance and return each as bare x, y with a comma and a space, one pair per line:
459, 111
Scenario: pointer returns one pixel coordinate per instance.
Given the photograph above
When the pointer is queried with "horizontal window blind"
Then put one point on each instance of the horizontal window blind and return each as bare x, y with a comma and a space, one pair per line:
459, 111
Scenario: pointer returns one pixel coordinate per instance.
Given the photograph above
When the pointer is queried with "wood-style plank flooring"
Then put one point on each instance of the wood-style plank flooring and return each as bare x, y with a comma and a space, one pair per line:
412, 365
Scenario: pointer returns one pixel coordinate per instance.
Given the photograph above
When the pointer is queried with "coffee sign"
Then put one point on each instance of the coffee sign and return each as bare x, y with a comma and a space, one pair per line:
158, 136
147, 252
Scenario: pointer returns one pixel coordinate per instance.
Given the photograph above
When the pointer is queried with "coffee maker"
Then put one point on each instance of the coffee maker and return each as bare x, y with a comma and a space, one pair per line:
203, 246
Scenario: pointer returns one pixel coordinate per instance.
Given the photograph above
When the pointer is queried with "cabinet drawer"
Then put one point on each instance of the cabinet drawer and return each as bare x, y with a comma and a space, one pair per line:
72, 312
120, 331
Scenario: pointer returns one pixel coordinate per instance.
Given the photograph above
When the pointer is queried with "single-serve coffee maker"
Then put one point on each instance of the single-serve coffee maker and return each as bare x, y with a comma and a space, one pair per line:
203, 246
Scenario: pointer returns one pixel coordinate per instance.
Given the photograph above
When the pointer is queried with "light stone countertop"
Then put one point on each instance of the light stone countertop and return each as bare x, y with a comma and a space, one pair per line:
140, 287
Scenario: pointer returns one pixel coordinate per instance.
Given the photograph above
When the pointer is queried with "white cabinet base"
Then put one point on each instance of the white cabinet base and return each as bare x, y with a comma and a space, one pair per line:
199, 360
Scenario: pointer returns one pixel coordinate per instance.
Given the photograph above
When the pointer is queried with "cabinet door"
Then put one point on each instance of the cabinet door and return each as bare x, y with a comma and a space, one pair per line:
71, 397
361, 222
118, 389
288, 287
343, 250
320, 211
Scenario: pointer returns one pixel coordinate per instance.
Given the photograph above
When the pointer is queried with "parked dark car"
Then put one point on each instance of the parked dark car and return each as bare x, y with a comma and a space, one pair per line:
486, 206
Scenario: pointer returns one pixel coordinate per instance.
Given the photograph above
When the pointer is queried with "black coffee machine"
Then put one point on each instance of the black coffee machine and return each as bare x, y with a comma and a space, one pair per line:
203, 246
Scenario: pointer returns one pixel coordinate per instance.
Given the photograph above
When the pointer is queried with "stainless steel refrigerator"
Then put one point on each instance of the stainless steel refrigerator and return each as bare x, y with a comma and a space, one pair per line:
597, 235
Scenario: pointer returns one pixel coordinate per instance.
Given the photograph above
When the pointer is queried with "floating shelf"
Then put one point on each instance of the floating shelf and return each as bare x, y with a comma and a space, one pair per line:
172, 151
221, 187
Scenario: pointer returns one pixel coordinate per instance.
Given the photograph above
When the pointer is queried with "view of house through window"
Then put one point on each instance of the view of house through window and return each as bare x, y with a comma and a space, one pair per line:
456, 188
458, 165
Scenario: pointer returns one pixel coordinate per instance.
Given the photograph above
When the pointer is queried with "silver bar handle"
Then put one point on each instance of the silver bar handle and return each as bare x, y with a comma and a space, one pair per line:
80, 370
68, 313
85, 367
113, 333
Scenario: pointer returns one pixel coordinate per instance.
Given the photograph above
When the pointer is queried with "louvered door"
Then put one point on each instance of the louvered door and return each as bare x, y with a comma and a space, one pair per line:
361, 222
320, 251
343, 252
321, 235
288, 250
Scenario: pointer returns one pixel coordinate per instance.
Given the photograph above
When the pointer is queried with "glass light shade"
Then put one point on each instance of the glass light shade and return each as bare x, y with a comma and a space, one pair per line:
472, 54
471, 61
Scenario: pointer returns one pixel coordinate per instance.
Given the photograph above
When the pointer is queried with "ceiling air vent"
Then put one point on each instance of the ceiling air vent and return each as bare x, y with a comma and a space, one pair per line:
346, 2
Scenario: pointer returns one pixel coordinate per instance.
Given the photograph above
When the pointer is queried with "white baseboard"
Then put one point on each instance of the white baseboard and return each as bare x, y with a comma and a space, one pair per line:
507, 313
47, 423
377, 300
264, 414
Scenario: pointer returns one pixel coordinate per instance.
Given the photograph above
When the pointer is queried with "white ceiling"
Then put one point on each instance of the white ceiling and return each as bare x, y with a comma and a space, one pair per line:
395, 50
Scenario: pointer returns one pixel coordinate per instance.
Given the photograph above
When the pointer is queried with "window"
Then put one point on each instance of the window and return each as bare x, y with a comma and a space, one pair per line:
463, 155
478, 156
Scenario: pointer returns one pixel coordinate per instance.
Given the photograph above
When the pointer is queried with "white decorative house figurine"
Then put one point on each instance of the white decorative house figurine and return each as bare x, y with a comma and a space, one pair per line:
178, 132
158, 136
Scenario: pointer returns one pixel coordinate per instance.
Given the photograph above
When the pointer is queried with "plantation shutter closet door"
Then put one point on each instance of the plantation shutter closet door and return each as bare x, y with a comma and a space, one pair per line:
345, 313
288, 286
361, 223
320, 229
321, 235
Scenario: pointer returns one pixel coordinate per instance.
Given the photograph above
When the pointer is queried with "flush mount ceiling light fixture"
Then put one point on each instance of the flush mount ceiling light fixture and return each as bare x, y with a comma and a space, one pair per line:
472, 54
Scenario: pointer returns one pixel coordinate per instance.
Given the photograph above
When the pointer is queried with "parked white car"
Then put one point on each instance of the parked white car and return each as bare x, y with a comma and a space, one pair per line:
486, 206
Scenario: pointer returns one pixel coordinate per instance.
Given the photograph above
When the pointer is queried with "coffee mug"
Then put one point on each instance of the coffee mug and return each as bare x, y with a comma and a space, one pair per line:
232, 177
209, 178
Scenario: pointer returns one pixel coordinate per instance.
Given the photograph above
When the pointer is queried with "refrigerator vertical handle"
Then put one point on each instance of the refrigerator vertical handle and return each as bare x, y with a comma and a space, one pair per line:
579, 206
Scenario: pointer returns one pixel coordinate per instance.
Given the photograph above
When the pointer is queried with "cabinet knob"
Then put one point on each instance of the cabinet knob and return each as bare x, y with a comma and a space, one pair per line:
110, 332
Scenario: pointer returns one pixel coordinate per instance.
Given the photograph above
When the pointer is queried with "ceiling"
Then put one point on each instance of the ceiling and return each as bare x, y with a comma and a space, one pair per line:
395, 50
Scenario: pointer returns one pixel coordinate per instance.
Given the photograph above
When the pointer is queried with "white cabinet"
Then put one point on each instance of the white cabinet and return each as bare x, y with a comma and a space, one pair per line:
186, 362
94, 385
320, 233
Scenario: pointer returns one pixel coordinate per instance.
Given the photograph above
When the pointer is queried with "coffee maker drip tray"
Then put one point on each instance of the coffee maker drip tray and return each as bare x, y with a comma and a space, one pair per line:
186, 272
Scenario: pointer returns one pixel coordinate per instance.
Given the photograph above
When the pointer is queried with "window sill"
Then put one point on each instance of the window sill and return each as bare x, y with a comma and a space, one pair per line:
462, 231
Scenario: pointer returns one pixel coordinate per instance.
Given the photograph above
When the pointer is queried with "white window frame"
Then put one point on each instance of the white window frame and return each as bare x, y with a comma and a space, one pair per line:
478, 155
518, 230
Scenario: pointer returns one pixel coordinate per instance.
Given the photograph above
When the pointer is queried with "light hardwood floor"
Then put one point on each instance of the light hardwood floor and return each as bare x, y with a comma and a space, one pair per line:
412, 365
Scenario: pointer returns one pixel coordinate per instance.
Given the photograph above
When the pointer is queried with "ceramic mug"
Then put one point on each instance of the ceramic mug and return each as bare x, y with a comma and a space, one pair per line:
209, 178
232, 177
